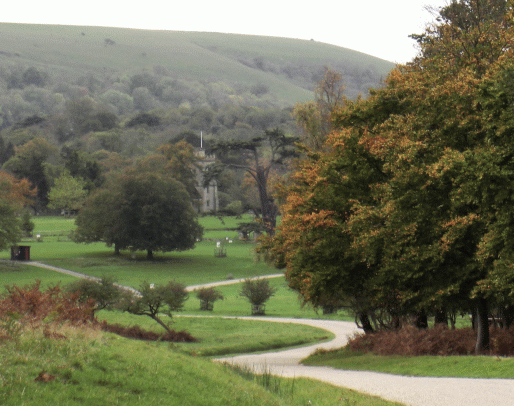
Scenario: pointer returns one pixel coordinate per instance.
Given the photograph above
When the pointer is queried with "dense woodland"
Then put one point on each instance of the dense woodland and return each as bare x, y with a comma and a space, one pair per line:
404, 211
89, 100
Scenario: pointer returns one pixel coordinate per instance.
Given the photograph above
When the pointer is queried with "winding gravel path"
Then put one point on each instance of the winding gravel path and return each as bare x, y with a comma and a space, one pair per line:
412, 391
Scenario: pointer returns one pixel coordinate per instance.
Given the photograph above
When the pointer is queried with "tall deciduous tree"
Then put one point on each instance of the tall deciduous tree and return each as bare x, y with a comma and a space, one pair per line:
430, 227
68, 193
315, 118
258, 157
29, 162
14, 194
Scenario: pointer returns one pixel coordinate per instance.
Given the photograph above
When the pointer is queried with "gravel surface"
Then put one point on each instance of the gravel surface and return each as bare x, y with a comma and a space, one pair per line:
414, 391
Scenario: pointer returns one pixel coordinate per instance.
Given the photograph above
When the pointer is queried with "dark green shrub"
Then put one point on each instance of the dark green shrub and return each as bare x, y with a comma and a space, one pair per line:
207, 297
104, 292
257, 291
154, 300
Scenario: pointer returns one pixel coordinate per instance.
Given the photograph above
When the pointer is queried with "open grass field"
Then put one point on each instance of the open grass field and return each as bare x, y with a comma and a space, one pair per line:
200, 266
104, 369
189, 267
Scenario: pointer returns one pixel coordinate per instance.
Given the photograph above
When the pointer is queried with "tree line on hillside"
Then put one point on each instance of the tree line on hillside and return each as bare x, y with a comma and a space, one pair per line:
28, 91
404, 210
88, 138
45, 90
93, 125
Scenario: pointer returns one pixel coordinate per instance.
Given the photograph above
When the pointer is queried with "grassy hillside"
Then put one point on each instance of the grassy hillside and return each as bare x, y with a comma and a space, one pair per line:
89, 368
286, 66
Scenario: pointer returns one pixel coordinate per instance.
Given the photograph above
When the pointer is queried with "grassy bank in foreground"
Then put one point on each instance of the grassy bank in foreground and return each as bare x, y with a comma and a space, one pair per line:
437, 366
93, 368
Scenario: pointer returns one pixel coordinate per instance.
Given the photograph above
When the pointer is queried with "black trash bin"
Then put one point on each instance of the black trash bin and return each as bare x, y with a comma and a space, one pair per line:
20, 253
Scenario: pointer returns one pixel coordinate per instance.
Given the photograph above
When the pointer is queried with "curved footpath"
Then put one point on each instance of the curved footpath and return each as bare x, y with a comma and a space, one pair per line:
412, 391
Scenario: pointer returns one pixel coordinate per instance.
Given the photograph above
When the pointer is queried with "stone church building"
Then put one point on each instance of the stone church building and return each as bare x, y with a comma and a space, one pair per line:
208, 202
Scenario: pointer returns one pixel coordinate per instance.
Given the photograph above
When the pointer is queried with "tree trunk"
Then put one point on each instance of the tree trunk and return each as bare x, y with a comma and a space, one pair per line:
482, 321
116, 249
366, 324
149, 254
268, 208
158, 320
421, 320
441, 317
507, 314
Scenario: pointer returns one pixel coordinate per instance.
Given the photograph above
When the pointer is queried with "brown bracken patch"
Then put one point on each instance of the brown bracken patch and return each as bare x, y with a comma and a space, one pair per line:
411, 341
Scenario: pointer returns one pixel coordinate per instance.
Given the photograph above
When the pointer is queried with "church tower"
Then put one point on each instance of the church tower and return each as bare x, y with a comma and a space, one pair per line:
209, 202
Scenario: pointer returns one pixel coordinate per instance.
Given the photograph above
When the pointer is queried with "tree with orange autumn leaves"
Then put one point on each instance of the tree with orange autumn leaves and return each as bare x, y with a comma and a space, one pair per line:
408, 209
14, 195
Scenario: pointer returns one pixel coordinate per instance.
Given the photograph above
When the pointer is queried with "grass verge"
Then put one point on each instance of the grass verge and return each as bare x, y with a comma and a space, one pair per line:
436, 366
302, 391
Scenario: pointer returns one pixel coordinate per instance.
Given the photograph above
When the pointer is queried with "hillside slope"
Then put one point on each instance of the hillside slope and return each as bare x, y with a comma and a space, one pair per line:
285, 68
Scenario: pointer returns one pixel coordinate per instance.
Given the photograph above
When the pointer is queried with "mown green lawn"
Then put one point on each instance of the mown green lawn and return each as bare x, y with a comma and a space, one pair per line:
195, 266
218, 336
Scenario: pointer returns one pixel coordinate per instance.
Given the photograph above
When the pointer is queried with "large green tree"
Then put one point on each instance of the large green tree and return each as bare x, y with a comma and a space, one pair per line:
67, 194
429, 228
140, 211
14, 194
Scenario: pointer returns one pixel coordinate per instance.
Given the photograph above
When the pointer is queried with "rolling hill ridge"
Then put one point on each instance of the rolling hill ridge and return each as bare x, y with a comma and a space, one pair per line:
287, 68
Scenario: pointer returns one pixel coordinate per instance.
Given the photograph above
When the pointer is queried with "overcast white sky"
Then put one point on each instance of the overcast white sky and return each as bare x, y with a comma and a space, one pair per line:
376, 27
